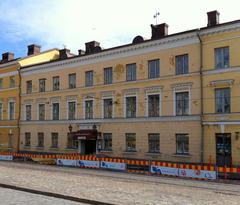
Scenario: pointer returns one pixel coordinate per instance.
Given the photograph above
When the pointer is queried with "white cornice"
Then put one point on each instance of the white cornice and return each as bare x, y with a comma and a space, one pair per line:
221, 29
219, 71
8, 74
116, 120
6, 65
122, 52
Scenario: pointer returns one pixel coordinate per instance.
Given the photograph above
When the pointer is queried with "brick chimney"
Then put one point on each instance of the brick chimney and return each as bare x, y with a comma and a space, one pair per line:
159, 31
64, 53
213, 18
33, 49
6, 57
91, 45
81, 52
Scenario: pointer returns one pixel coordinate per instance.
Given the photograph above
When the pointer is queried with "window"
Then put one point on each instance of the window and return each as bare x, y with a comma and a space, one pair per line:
71, 110
1, 111
182, 103
1, 140
181, 64
41, 112
182, 144
108, 108
89, 109
12, 82
130, 142
28, 112
27, 139
29, 86
154, 143
54, 140
40, 139
131, 106
222, 100
107, 138
55, 111
131, 72
72, 143
72, 80
10, 140
11, 110
42, 85
153, 69
108, 75
222, 57
1, 83
89, 78
153, 105
56, 83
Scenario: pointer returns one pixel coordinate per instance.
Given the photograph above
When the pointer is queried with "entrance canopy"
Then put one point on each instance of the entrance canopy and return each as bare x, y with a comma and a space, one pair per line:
84, 135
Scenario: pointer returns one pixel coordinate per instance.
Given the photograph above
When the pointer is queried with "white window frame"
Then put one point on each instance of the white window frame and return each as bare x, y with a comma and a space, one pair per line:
160, 102
174, 100
106, 98
125, 105
14, 102
25, 111
68, 101
87, 99
38, 110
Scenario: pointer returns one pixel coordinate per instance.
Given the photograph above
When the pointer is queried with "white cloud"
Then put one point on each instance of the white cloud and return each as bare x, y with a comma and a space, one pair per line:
73, 22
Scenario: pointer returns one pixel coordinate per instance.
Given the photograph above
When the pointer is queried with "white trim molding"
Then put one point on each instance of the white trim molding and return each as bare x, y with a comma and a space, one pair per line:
221, 83
117, 53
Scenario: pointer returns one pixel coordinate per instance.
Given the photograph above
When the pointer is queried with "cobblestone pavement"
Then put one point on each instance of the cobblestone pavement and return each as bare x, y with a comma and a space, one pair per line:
117, 188
13, 197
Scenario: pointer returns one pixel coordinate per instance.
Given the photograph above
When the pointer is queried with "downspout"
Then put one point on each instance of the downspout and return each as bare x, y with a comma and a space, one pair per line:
201, 97
19, 107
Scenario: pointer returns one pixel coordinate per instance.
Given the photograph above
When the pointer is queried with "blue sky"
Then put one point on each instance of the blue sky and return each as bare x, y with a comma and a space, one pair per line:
55, 23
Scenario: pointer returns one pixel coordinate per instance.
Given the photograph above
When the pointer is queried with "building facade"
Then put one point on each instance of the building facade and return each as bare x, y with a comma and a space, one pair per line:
172, 98
10, 93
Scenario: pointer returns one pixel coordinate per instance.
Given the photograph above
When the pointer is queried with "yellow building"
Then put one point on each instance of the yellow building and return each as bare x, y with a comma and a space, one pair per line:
152, 99
220, 89
10, 93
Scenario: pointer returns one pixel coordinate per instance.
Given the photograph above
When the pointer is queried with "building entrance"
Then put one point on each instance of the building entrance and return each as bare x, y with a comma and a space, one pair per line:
223, 149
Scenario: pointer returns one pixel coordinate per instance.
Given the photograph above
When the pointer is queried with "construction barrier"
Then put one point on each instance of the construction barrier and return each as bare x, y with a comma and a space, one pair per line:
129, 165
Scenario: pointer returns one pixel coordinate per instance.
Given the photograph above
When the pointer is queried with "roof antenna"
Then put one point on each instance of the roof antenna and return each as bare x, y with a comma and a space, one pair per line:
156, 16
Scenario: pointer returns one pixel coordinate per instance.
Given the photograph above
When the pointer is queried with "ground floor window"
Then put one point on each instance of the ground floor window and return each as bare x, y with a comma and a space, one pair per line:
154, 143
107, 138
54, 140
182, 144
27, 139
40, 139
130, 142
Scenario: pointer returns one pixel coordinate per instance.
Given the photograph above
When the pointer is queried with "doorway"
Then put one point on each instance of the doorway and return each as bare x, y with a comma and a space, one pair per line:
90, 147
223, 149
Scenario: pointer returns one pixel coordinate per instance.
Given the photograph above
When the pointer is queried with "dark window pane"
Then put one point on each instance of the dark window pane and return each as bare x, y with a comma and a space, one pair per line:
153, 69
222, 57
131, 72
89, 109
107, 138
182, 144
181, 64
154, 143
222, 100
108, 108
89, 78
153, 105
131, 106
108, 75
182, 103
131, 142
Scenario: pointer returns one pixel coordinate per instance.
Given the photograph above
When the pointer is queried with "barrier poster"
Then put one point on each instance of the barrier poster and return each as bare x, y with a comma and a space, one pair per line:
66, 162
200, 174
164, 170
87, 163
6, 157
113, 165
